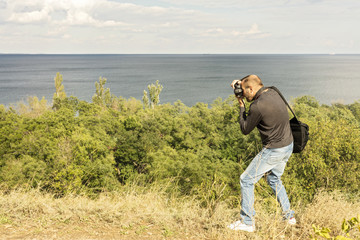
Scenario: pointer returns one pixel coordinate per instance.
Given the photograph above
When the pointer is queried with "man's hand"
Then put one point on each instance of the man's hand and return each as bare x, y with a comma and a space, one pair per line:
240, 99
233, 83
241, 102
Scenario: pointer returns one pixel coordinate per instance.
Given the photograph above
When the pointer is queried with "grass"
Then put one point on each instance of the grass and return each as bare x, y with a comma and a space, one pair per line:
151, 213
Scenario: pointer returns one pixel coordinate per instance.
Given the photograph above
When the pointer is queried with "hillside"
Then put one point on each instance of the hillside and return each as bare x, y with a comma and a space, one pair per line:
137, 213
125, 167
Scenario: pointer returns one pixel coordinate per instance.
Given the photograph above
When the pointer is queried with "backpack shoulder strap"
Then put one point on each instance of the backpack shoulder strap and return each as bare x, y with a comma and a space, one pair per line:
277, 90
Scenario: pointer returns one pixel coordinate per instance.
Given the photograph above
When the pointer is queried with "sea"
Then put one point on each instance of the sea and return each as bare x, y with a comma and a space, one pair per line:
190, 78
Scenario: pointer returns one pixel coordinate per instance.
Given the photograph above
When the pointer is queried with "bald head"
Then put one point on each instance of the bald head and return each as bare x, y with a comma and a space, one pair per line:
252, 80
251, 84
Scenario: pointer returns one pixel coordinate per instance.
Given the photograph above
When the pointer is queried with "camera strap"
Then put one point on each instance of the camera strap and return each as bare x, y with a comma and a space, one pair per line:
277, 90
299, 130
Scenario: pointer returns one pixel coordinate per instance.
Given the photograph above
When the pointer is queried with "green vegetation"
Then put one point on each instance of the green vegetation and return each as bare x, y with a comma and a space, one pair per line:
74, 146
346, 227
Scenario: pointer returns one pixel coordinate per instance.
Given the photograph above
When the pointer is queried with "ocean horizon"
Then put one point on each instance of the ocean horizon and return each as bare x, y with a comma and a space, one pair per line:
190, 78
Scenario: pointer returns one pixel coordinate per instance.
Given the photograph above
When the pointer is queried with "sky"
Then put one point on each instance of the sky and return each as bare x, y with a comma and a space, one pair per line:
180, 26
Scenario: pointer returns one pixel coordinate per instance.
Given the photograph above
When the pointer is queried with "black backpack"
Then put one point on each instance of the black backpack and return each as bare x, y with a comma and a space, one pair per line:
300, 130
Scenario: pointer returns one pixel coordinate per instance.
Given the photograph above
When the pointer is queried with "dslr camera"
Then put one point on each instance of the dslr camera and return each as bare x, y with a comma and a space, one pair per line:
237, 89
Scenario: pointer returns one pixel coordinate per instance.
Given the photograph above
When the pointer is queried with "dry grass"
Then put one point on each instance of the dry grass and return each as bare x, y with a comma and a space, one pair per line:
151, 214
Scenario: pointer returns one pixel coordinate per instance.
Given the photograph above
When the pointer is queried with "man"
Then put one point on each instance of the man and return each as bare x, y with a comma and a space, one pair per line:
269, 114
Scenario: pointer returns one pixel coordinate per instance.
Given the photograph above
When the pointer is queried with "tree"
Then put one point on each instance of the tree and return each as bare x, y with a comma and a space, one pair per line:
154, 94
145, 99
35, 107
102, 96
59, 93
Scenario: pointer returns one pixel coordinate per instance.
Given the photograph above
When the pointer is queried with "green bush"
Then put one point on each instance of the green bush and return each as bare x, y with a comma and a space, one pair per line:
77, 146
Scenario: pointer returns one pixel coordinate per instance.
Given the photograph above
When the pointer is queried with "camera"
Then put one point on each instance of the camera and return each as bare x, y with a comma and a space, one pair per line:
237, 89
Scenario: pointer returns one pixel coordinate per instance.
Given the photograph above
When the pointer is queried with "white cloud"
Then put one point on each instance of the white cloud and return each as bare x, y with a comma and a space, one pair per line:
231, 36
27, 11
253, 30
329, 43
231, 3
78, 17
173, 25
78, 12
169, 24
29, 17
248, 4
256, 33
66, 36
215, 30
58, 31
97, 13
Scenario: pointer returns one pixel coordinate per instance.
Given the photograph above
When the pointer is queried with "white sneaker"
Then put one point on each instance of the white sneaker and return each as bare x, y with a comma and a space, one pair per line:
239, 226
292, 221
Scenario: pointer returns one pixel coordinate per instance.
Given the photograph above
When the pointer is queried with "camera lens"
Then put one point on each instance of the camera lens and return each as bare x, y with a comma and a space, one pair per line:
237, 89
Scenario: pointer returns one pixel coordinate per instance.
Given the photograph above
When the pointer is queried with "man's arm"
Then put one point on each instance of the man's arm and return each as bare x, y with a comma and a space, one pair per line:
249, 122
241, 101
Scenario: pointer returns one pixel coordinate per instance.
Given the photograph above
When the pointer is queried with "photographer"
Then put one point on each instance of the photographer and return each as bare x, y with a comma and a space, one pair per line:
269, 114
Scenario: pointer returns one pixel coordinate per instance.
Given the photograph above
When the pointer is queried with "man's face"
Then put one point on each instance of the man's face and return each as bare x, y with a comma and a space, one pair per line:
248, 92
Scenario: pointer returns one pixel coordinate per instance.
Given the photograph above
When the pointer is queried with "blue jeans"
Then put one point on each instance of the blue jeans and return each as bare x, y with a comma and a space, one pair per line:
271, 161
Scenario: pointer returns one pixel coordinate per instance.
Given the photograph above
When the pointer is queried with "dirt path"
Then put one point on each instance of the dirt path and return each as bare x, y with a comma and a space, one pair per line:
82, 232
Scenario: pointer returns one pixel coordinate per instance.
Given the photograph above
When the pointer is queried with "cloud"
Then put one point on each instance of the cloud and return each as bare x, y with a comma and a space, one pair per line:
66, 36
247, 4
253, 32
77, 12
96, 13
215, 30
2, 4
30, 17
173, 26
230, 3
80, 17
329, 43
26, 11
